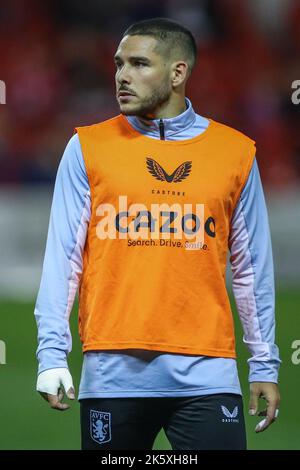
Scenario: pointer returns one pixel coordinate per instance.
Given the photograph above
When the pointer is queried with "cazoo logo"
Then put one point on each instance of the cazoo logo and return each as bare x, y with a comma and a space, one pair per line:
159, 221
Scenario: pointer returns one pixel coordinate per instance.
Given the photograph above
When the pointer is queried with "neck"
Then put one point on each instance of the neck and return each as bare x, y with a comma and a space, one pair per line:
170, 109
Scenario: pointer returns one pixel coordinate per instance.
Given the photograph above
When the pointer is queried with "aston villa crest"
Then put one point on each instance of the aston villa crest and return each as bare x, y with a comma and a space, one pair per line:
100, 426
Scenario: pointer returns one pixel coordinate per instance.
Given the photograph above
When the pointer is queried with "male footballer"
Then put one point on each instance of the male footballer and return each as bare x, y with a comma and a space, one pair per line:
146, 207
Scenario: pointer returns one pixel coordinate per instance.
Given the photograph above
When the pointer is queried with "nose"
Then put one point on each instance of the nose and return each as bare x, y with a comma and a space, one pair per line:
123, 76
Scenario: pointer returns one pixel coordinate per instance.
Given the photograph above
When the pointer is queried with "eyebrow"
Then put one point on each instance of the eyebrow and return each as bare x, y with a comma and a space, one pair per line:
142, 58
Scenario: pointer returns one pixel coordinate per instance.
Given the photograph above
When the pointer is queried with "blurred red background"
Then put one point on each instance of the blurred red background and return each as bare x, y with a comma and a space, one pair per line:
57, 63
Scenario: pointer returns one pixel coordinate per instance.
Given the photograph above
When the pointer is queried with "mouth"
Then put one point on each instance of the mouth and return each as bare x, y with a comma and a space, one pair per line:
125, 95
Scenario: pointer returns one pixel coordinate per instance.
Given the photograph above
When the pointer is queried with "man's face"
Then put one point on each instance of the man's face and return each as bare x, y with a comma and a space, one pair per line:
143, 78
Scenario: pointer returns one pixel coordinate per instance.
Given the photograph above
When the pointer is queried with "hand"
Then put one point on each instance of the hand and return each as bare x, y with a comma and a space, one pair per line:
270, 392
49, 385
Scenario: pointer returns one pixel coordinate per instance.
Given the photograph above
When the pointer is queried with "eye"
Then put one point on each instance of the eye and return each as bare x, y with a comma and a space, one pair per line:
118, 65
140, 64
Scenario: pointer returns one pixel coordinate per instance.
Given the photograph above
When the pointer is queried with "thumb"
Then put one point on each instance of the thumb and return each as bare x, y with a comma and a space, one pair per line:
67, 382
253, 403
71, 393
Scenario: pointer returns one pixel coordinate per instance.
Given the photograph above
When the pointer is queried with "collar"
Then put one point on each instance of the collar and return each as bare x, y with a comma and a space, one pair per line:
171, 126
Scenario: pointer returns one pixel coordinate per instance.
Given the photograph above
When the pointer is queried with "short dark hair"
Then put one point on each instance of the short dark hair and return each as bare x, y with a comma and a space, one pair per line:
170, 34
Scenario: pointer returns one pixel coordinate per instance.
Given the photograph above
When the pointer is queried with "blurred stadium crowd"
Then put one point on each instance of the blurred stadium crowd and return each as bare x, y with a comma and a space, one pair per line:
56, 58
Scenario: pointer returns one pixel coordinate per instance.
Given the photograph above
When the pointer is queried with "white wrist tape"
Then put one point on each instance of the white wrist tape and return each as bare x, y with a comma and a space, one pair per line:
51, 380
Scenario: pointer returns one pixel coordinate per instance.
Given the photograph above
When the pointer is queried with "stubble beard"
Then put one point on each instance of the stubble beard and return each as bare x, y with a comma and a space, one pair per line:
149, 105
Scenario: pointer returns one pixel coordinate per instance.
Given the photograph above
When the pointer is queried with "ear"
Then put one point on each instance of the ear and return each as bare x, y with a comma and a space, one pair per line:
179, 73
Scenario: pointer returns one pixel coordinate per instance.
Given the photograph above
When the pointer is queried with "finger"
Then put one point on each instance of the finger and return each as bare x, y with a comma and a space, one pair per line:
60, 394
271, 410
71, 393
264, 413
54, 401
68, 386
56, 404
261, 426
265, 423
61, 406
272, 413
253, 402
